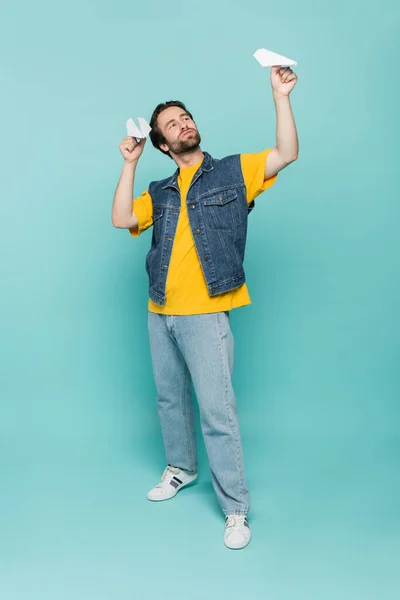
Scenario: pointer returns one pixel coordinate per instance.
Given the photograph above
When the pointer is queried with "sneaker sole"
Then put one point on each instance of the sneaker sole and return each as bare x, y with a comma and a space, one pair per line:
237, 547
175, 493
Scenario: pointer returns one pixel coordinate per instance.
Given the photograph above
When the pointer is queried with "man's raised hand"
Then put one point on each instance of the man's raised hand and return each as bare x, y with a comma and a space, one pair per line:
131, 149
283, 80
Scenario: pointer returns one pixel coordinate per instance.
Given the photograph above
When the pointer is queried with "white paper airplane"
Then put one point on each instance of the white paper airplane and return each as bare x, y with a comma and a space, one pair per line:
138, 132
266, 58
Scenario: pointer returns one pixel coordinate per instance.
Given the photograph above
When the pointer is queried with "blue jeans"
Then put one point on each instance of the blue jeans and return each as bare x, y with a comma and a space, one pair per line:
199, 348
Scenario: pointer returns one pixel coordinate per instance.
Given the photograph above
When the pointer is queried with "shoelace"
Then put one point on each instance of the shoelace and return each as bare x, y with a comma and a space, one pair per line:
236, 521
165, 478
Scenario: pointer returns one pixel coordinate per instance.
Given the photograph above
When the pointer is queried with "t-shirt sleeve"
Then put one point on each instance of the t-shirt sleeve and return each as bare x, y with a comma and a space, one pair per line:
253, 169
143, 209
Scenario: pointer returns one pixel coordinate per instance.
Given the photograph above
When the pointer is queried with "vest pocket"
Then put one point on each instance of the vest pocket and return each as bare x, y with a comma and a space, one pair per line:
220, 210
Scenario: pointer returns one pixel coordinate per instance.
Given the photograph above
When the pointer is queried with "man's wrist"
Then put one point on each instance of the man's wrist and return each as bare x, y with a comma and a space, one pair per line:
282, 98
130, 163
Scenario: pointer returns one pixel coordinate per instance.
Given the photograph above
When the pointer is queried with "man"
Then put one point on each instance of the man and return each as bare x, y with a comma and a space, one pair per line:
195, 269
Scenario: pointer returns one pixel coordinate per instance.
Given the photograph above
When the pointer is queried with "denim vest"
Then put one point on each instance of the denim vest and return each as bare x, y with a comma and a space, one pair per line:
217, 210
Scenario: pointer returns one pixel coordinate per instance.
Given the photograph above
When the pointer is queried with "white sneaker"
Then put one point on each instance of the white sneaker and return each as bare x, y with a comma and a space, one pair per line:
172, 480
237, 532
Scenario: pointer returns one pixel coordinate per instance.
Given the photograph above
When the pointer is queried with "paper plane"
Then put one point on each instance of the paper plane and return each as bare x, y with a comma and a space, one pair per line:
138, 132
266, 58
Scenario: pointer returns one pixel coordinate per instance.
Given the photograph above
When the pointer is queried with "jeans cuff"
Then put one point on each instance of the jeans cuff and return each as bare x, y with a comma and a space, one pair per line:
227, 513
185, 470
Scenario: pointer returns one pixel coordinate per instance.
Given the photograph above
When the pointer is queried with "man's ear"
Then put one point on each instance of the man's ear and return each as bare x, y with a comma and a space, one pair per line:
164, 147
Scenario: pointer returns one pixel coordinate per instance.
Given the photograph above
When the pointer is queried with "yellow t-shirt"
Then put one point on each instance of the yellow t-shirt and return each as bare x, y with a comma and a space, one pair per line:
186, 289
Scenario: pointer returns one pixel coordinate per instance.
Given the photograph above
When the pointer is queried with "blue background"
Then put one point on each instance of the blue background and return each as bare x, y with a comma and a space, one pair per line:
317, 353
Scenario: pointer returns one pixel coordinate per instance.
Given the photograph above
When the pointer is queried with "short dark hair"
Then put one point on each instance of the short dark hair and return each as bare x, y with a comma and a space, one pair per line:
156, 136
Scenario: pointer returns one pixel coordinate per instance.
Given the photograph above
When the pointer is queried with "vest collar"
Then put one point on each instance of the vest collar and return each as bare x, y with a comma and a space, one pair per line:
206, 165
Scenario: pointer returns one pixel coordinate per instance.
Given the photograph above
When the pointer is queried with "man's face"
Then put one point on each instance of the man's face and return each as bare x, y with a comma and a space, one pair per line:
179, 131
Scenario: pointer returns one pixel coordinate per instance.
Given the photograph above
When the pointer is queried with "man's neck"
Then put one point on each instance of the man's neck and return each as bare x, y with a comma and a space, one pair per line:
189, 159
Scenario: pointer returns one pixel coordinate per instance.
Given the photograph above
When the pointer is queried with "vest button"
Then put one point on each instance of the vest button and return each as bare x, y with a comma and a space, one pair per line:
206, 258
197, 231
192, 206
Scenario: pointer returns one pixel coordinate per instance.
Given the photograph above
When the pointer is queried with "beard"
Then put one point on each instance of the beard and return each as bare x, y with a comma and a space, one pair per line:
187, 144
